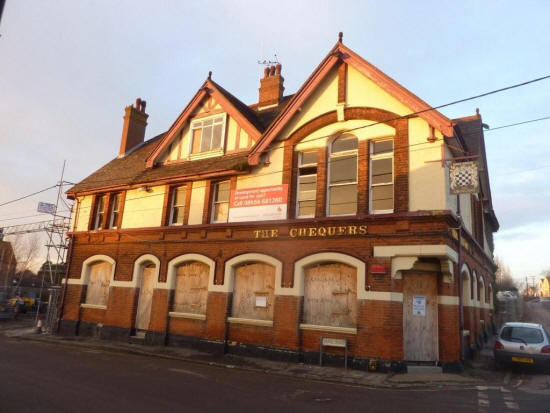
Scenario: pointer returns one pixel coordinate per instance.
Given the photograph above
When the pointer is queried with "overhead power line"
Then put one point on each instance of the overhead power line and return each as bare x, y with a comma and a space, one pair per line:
28, 196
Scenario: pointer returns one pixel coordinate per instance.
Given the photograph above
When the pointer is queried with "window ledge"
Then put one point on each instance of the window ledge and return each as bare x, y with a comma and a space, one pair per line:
192, 316
96, 306
331, 329
206, 154
250, 322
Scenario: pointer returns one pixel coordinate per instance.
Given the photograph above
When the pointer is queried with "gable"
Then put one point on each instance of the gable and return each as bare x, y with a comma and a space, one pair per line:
234, 138
364, 86
239, 128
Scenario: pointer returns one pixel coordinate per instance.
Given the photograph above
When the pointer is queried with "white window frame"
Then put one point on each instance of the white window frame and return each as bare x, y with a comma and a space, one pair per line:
173, 201
112, 221
99, 213
308, 165
194, 125
215, 187
384, 155
329, 185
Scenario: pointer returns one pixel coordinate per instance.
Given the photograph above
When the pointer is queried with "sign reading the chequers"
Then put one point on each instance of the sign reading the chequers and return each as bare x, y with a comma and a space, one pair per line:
258, 204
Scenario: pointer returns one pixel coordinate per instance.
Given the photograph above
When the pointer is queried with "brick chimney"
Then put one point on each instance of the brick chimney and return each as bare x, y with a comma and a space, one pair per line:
133, 130
271, 87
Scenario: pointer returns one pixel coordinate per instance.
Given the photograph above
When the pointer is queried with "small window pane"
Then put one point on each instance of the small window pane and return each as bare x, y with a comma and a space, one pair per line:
196, 141
308, 187
217, 137
222, 194
308, 158
347, 143
343, 169
382, 171
382, 147
382, 197
221, 212
306, 208
206, 140
180, 195
343, 200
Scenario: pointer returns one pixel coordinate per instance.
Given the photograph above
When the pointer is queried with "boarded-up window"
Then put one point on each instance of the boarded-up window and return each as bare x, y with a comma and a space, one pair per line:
330, 295
254, 291
191, 288
98, 286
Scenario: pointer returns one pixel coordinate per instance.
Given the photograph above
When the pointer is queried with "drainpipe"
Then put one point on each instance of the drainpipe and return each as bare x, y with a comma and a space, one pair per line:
459, 278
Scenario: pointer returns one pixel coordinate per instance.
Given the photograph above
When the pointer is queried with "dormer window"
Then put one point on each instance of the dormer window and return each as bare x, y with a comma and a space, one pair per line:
207, 134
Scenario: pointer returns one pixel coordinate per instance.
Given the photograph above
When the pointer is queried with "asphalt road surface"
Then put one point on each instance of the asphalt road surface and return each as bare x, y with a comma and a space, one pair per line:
43, 377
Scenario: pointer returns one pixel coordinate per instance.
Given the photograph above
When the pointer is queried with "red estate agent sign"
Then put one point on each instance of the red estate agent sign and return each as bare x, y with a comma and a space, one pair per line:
258, 204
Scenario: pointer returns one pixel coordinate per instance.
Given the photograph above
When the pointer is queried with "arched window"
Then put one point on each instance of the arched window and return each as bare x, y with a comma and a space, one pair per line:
191, 289
254, 291
330, 295
466, 286
97, 292
342, 176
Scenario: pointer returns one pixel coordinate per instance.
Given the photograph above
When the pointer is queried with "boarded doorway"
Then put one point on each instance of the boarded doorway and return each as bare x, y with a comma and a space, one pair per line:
420, 328
143, 314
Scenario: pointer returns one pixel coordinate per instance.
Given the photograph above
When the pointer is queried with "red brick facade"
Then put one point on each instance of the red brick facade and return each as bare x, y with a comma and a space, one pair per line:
379, 323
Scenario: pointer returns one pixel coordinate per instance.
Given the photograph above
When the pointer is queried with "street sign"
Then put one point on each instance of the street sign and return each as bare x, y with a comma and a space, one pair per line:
46, 208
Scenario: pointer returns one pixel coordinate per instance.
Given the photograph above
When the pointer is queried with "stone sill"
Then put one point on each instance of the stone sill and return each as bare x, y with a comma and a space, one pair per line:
330, 329
250, 322
192, 316
95, 306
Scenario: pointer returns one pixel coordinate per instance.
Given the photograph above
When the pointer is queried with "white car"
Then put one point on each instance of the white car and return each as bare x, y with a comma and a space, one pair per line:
522, 343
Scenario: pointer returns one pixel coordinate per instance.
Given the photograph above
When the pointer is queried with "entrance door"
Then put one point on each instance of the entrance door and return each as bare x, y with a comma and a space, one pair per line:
420, 328
143, 314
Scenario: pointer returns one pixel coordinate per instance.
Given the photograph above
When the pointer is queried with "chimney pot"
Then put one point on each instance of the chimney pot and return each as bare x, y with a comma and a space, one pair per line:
271, 70
266, 72
278, 68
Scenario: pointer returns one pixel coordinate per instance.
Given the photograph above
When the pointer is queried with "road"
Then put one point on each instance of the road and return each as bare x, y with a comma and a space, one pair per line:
38, 376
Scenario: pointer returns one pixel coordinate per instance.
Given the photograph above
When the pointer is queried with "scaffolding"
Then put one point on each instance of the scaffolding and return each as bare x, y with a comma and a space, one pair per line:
56, 230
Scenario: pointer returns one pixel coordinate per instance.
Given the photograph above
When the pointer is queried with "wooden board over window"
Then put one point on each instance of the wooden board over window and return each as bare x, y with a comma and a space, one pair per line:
191, 288
330, 295
98, 287
254, 292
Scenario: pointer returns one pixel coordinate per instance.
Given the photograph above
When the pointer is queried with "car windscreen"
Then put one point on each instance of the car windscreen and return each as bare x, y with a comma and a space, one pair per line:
528, 335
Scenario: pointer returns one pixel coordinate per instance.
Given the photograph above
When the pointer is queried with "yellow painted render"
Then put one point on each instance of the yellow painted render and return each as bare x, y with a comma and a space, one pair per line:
362, 91
143, 209
427, 187
83, 213
243, 142
322, 100
231, 134
197, 202
265, 175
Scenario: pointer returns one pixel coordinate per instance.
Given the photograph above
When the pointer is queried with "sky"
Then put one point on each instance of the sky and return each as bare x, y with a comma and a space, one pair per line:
68, 69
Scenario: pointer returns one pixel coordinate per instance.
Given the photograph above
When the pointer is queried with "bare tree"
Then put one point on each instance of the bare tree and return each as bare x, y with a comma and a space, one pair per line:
27, 249
503, 277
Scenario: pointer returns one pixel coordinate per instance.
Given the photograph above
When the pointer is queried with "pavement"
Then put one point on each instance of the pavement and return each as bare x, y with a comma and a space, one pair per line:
478, 372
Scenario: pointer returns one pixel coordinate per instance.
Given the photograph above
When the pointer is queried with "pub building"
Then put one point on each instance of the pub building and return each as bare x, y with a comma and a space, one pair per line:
267, 228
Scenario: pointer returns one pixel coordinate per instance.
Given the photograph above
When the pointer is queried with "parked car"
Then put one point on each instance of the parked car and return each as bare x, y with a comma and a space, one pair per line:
522, 343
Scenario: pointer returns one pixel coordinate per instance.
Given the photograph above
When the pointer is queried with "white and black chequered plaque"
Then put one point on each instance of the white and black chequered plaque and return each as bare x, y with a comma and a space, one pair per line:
464, 178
